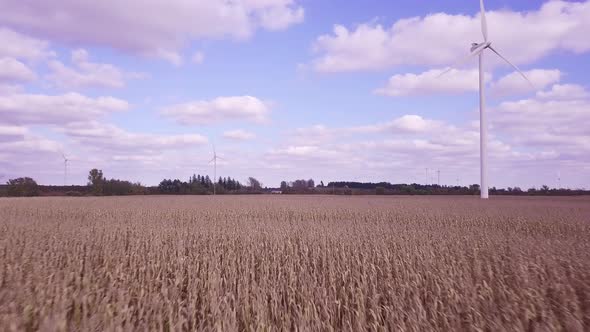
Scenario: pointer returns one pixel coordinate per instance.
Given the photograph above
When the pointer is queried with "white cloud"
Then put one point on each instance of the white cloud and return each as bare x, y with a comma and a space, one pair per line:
409, 123
86, 73
198, 57
528, 138
111, 138
317, 153
12, 132
457, 81
219, 109
429, 82
29, 145
564, 91
405, 125
9, 89
12, 70
514, 83
16, 45
153, 28
59, 109
239, 135
280, 17
556, 120
441, 39
19, 147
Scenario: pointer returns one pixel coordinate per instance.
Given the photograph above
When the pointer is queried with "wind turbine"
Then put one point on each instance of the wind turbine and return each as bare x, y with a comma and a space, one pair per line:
478, 49
65, 169
214, 160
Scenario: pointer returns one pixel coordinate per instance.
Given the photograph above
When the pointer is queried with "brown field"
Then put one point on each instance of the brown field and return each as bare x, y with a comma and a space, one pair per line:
297, 263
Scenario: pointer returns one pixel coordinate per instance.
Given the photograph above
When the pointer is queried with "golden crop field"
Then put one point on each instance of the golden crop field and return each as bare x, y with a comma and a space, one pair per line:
303, 263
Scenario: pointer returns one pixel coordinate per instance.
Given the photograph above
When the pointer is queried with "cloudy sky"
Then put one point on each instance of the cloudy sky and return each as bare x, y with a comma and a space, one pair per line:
287, 89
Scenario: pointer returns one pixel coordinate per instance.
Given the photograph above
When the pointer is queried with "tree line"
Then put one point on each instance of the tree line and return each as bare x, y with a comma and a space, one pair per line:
99, 185
385, 188
200, 185
197, 184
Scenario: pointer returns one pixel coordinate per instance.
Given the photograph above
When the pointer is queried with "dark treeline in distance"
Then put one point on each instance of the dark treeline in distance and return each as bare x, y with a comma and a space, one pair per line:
199, 185
99, 185
386, 188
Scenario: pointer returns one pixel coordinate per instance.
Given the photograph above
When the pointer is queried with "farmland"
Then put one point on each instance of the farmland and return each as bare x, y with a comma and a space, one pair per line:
295, 262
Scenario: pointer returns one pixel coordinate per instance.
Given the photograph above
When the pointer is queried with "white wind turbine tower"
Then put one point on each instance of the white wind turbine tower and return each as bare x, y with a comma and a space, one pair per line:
65, 169
478, 49
214, 160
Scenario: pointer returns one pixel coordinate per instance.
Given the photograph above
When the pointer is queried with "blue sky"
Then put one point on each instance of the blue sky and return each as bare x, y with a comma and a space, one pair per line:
291, 89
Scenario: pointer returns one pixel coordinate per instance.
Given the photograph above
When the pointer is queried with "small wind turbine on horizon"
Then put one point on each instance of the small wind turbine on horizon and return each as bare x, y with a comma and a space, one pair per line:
65, 169
478, 49
214, 160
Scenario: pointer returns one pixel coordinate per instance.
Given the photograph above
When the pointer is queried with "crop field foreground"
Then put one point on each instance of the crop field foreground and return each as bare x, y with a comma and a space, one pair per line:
307, 263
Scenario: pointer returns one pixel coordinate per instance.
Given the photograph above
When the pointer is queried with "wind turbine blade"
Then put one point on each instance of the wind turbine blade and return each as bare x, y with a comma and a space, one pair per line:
460, 61
513, 66
484, 22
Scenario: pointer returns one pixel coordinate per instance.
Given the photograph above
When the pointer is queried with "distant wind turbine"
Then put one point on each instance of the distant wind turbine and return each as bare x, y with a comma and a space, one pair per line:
478, 49
65, 169
214, 160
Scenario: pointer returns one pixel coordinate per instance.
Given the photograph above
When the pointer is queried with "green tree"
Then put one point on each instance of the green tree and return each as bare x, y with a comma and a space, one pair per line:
22, 187
96, 180
254, 184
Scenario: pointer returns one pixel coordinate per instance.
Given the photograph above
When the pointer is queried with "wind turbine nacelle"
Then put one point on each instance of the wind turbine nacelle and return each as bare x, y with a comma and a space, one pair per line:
476, 46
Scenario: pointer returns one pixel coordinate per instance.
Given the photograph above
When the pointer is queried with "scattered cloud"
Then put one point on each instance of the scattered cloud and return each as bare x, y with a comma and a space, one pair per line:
514, 83
149, 28
10, 89
279, 17
16, 45
441, 38
12, 132
18, 146
457, 81
557, 128
219, 109
12, 70
55, 110
430, 82
239, 135
406, 124
110, 138
87, 74
564, 92
541, 132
